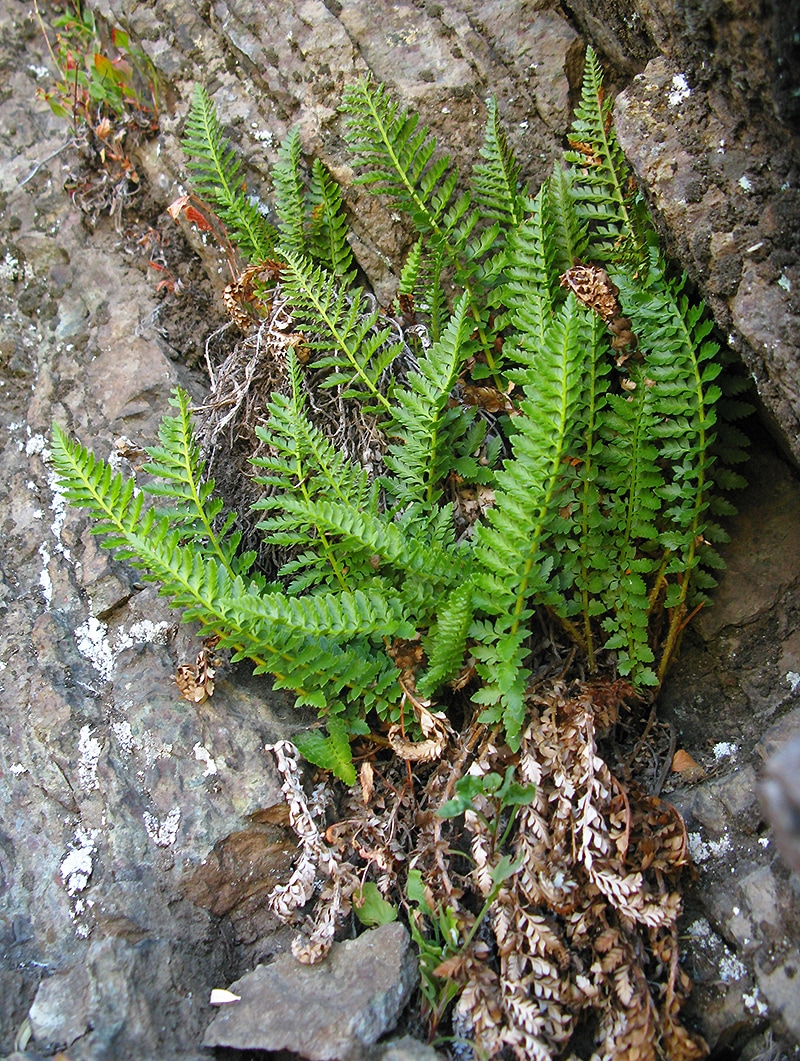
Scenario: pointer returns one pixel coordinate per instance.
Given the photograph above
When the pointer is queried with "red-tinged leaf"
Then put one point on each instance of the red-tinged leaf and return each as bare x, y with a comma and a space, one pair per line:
191, 213
120, 38
104, 66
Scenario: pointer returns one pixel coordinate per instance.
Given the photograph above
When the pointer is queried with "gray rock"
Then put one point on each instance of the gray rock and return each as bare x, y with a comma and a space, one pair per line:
131, 846
60, 1012
404, 1049
780, 789
332, 1010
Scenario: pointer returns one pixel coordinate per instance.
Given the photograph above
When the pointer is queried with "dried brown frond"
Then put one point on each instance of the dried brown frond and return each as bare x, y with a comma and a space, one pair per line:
584, 931
196, 681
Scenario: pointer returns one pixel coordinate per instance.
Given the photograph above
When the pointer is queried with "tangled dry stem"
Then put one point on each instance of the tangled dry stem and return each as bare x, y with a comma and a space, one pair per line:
237, 403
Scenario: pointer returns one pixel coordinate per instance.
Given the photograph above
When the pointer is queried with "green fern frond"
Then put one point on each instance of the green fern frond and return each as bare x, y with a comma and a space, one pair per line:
305, 463
398, 158
601, 186
513, 564
531, 289
586, 559
496, 181
682, 364
411, 272
328, 227
447, 639
350, 341
179, 469
329, 751
568, 236
384, 540
630, 479
424, 428
217, 176
290, 194
268, 629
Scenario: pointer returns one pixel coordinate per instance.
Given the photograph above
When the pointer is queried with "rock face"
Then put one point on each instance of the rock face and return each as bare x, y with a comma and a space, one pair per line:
727, 195
135, 847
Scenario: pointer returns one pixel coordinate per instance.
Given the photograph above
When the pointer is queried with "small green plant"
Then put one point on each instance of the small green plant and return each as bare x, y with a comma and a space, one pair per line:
503, 796
97, 80
443, 940
439, 931
601, 455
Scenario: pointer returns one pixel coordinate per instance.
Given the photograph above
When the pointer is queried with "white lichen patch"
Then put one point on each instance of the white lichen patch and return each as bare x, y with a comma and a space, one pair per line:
58, 506
78, 863
793, 678
699, 929
45, 581
701, 850
204, 756
724, 750
785, 282
10, 268
745, 183
753, 1002
680, 90
89, 750
123, 735
95, 645
163, 833
730, 968
36, 445
153, 750
143, 632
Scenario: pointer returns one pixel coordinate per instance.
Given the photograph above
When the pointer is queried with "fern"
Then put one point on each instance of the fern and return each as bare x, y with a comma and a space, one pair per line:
179, 469
327, 240
305, 464
217, 175
317, 647
531, 289
398, 158
604, 508
331, 752
290, 195
602, 186
496, 181
511, 550
569, 236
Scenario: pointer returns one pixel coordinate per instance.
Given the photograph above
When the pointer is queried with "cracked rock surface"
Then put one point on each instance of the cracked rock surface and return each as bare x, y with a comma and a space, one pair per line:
135, 847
